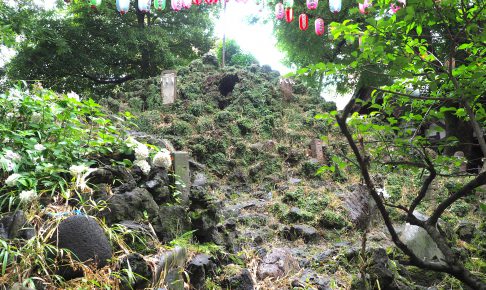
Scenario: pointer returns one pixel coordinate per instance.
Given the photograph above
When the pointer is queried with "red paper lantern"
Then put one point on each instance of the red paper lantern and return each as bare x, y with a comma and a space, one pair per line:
319, 26
197, 2
303, 22
289, 15
279, 11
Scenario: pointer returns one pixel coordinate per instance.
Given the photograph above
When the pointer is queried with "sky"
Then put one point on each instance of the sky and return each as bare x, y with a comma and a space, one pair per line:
256, 39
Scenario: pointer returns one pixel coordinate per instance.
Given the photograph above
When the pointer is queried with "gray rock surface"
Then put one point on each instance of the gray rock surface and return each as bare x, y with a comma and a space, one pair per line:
420, 242
309, 278
200, 267
237, 278
305, 232
277, 263
15, 226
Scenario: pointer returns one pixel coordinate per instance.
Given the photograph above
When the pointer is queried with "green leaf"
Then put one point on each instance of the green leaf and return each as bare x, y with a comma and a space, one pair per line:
419, 30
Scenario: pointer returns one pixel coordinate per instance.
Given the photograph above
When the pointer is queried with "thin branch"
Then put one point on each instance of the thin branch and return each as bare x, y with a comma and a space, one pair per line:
425, 186
463, 192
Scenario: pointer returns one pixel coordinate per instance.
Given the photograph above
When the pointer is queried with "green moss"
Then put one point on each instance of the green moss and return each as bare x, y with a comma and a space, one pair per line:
332, 219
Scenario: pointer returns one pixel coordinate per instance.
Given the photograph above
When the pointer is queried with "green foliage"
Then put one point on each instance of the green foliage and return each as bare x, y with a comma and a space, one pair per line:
234, 55
86, 50
43, 135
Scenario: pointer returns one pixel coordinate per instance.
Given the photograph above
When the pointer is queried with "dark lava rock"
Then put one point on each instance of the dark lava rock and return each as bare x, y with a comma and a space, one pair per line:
130, 205
278, 263
142, 273
101, 175
237, 278
358, 205
85, 238
171, 222
324, 256
465, 231
305, 232
15, 226
310, 278
210, 59
200, 268
379, 269
158, 185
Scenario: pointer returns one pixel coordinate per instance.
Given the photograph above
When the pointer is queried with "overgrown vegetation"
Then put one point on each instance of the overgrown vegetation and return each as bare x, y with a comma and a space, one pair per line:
249, 134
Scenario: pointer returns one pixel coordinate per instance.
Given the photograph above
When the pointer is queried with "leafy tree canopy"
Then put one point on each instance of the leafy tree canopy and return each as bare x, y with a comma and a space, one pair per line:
74, 46
433, 52
234, 55
304, 48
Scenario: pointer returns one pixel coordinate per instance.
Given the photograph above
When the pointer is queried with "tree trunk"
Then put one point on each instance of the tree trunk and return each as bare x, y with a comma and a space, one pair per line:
145, 60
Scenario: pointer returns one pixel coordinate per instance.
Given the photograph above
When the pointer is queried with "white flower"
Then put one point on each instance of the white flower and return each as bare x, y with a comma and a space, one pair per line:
27, 195
73, 95
10, 115
77, 170
7, 164
9, 154
12, 179
162, 159
144, 165
141, 152
81, 173
6, 140
39, 147
36, 117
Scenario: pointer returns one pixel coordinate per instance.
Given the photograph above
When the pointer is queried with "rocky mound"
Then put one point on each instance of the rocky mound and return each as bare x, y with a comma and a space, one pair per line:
245, 124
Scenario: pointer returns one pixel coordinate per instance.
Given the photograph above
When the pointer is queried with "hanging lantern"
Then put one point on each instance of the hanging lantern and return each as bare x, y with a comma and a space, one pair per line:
319, 24
279, 11
197, 2
186, 4
159, 4
176, 5
208, 1
363, 6
122, 6
289, 15
303, 21
288, 3
335, 6
144, 6
312, 4
95, 3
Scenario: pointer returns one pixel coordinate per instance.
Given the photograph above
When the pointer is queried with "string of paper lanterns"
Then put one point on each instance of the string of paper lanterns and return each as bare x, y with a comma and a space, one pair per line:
282, 10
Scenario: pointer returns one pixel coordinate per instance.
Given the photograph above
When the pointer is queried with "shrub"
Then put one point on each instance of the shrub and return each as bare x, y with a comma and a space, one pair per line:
43, 135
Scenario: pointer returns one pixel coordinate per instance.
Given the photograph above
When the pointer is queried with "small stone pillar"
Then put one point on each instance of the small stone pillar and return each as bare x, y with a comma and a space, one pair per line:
168, 87
463, 167
316, 150
181, 169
